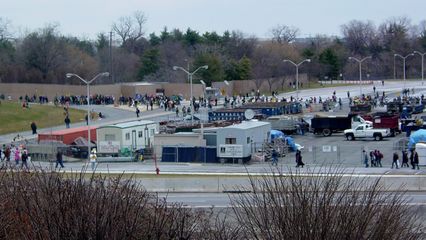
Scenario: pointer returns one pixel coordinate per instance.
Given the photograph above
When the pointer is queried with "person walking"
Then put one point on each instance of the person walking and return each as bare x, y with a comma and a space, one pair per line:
33, 127
274, 156
373, 159
412, 158
93, 159
395, 160
67, 122
379, 157
7, 154
404, 158
365, 158
87, 119
59, 160
24, 159
299, 161
2, 152
137, 112
416, 160
17, 155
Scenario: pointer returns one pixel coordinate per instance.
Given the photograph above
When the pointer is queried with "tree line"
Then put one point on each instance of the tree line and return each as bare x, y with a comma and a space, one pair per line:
130, 54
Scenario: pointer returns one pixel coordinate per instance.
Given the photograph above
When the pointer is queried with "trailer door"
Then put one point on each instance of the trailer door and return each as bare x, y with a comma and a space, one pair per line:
134, 140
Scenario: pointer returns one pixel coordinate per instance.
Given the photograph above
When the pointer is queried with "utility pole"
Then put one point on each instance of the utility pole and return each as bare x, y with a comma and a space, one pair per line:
110, 58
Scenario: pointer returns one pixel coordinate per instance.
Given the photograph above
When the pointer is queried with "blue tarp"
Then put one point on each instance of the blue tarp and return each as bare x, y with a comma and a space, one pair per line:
274, 134
417, 136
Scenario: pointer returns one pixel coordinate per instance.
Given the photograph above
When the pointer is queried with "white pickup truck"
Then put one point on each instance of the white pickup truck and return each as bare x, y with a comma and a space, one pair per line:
366, 131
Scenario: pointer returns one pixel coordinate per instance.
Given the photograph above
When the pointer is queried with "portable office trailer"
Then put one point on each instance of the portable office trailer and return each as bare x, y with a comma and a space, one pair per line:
240, 140
128, 135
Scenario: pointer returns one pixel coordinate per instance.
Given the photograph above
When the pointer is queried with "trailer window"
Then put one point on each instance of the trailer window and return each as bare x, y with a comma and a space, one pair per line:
140, 134
109, 137
248, 140
127, 136
230, 141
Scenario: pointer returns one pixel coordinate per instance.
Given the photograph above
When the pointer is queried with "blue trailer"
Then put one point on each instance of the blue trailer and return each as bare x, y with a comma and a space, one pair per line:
226, 114
275, 108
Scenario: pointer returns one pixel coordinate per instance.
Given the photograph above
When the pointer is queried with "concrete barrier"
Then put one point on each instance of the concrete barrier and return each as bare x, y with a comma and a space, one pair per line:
204, 182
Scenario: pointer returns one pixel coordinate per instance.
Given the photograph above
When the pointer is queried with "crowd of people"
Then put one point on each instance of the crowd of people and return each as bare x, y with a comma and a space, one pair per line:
95, 99
14, 153
374, 159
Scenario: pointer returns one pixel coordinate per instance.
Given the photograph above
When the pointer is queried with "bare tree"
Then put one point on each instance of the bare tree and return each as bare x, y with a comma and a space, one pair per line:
130, 28
331, 205
43, 51
284, 34
5, 29
393, 34
358, 36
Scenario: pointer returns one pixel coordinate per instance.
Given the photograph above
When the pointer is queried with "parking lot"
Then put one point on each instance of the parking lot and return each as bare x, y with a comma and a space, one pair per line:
335, 149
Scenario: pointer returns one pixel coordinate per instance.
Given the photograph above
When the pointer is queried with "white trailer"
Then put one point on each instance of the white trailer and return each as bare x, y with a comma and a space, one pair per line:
239, 141
131, 135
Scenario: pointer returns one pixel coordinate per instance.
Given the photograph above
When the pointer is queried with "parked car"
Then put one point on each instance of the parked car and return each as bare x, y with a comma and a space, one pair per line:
367, 131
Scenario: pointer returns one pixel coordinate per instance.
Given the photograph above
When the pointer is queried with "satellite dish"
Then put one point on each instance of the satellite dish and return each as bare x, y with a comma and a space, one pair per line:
249, 114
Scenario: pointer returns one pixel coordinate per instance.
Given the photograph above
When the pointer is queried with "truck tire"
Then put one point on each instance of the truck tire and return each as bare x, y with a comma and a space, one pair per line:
378, 137
350, 137
326, 132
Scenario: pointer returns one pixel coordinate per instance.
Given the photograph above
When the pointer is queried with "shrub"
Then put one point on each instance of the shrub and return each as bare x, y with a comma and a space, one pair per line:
334, 205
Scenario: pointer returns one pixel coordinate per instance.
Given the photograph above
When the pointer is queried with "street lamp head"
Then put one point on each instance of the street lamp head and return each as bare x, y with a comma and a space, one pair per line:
226, 82
308, 60
285, 60
202, 82
68, 75
395, 55
411, 54
205, 67
105, 74
175, 68
350, 58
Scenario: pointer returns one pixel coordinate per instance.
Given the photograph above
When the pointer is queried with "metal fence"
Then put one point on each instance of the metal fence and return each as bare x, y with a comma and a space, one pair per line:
338, 154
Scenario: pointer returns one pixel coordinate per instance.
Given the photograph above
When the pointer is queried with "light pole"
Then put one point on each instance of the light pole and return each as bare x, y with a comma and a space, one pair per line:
204, 89
360, 73
423, 55
297, 73
104, 74
190, 82
403, 58
394, 71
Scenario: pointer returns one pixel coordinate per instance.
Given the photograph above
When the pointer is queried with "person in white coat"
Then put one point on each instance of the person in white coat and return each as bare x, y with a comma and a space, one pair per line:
93, 159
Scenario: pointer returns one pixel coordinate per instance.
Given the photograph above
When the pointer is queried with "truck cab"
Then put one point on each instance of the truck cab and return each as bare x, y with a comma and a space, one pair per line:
366, 131
358, 120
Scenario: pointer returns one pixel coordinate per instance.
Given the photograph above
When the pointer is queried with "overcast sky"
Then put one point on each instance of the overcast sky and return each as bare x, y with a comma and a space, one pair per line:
87, 18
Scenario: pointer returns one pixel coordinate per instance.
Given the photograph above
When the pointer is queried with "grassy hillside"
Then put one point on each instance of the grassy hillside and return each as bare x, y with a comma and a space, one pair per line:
15, 118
